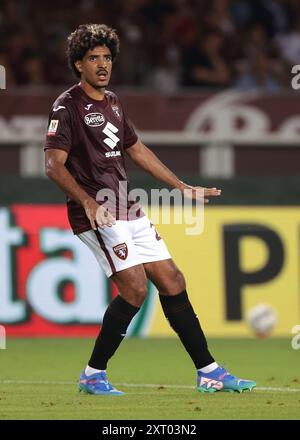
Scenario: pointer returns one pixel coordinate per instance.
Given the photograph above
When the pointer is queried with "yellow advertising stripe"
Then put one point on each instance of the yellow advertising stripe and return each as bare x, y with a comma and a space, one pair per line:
255, 248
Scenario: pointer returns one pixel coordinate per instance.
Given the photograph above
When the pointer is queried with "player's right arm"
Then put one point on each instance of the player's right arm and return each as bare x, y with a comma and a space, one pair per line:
55, 169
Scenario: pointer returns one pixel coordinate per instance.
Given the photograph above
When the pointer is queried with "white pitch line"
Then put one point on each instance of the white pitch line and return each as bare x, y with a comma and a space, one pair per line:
137, 385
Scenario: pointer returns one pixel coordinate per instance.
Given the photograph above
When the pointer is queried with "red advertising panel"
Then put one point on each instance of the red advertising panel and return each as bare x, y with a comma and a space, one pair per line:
51, 284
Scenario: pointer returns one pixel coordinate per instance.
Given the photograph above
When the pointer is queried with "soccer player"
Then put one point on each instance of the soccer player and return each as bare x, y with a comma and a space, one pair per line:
88, 137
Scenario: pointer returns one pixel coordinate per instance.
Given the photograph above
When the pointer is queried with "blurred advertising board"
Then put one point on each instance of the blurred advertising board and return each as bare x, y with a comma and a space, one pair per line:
51, 285
227, 114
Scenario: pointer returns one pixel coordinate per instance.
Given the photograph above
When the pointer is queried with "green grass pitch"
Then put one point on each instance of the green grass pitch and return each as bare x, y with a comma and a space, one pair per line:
39, 381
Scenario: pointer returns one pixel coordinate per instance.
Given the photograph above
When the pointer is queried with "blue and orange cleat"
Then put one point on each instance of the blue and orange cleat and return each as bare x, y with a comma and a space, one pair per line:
97, 384
221, 380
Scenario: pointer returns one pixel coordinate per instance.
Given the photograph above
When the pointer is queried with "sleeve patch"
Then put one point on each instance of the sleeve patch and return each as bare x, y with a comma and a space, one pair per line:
52, 127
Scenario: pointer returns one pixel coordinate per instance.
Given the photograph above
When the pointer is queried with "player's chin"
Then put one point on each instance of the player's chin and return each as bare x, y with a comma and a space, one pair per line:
102, 82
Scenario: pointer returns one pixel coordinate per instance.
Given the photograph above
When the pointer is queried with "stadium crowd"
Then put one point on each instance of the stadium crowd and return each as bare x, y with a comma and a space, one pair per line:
165, 44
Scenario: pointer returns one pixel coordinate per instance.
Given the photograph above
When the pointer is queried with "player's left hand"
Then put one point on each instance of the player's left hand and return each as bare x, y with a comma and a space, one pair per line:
199, 192
211, 192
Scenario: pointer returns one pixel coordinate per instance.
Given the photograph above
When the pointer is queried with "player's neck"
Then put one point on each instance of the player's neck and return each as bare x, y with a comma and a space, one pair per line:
97, 94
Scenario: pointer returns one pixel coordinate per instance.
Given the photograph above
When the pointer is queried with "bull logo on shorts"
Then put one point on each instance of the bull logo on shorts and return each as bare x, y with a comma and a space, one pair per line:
121, 251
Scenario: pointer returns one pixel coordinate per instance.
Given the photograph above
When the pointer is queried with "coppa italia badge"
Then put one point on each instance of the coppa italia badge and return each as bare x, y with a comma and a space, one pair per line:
116, 111
94, 119
121, 251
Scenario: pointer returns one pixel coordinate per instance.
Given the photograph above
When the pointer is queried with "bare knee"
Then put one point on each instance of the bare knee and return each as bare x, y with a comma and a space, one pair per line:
180, 280
174, 284
166, 276
135, 295
139, 294
132, 285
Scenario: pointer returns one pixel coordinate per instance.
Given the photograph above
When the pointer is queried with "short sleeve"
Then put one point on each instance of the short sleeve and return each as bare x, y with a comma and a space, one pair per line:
59, 133
130, 136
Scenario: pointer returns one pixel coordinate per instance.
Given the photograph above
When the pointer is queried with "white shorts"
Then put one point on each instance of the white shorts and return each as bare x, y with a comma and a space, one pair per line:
125, 244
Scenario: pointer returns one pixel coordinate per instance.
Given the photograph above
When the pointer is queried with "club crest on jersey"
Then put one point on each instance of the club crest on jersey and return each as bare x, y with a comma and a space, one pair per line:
52, 127
94, 119
116, 111
121, 251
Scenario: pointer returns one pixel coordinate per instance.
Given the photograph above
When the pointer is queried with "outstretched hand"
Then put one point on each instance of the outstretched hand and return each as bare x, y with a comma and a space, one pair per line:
199, 192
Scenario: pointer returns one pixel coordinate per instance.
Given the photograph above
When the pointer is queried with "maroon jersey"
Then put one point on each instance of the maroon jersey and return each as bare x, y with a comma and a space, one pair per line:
95, 135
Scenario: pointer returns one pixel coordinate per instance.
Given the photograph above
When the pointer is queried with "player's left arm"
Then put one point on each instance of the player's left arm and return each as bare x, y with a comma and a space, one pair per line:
149, 162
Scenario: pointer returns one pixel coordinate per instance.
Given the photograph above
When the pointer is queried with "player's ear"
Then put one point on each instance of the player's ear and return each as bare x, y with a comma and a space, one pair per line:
78, 65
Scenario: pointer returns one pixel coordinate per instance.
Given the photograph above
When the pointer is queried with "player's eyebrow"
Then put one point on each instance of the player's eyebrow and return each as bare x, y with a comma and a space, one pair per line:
97, 54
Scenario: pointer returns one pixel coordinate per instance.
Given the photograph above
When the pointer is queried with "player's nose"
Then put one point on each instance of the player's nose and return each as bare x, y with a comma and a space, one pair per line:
102, 62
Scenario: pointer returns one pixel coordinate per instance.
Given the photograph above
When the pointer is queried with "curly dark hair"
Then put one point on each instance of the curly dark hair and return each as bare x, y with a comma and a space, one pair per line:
88, 36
